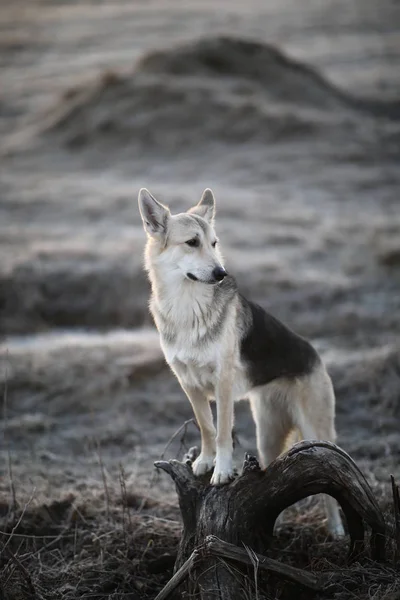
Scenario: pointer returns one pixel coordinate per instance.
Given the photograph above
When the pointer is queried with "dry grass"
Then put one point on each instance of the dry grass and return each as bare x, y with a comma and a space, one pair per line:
114, 540
122, 545
75, 549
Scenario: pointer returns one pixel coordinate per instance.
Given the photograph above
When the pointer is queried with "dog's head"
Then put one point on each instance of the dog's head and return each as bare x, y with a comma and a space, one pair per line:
183, 245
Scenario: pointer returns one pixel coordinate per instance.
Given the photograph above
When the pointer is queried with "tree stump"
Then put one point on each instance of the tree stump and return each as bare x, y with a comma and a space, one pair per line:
227, 529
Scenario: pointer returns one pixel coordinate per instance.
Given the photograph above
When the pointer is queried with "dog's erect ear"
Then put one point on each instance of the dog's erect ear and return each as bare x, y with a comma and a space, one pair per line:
206, 207
155, 216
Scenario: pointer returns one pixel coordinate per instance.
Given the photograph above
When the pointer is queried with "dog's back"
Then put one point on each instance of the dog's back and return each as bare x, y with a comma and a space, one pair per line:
270, 349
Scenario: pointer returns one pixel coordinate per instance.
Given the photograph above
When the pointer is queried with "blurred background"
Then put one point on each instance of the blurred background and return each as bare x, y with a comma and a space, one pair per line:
290, 111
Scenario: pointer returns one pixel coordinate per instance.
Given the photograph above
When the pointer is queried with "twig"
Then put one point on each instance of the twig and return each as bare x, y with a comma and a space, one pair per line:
24, 571
125, 504
75, 538
19, 520
5, 416
255, 562
396, 508
125, 507
50, 543
179, 576
219, 548
235, 438
76, 509
175, 435
171, 439
103, 476
26, 536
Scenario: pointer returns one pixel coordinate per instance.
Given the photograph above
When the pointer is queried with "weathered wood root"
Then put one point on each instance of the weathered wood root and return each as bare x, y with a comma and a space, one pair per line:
243, 513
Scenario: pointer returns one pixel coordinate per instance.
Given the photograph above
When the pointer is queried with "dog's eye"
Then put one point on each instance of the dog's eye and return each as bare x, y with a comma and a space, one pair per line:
194, 242
214, 244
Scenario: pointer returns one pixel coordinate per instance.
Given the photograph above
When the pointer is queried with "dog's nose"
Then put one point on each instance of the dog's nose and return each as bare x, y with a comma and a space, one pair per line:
219, 273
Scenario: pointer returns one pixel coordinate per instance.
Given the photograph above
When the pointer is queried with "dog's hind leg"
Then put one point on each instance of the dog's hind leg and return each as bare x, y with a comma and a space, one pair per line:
272, 423
202, 411
315, 419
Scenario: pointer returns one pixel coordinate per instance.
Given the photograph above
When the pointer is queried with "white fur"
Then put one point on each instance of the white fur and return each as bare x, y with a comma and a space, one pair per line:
183, 312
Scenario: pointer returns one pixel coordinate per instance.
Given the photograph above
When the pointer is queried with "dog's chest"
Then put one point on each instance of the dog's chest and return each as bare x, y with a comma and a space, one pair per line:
192, 339
188, 331
196, 375
195, 366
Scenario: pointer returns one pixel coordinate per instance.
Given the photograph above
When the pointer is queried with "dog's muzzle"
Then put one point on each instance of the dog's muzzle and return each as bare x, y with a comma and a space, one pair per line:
217, 275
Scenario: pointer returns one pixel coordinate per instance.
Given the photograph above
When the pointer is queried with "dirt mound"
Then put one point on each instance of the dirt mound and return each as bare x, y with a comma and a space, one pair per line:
147, 113
283, 78
277, 75
220, 89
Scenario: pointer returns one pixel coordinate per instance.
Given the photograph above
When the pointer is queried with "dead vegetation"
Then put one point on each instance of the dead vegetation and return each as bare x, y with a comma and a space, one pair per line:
70, 549
111, 538
123, 545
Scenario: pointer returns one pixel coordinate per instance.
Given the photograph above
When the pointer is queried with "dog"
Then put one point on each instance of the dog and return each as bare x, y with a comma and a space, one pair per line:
222, 346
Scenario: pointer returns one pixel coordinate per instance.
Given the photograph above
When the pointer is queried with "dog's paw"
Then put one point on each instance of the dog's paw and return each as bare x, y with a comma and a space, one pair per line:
222, 477
203, 464
223, 472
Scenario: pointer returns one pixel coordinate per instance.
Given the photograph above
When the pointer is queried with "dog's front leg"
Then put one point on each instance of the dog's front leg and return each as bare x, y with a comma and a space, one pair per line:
202, 410
223, 472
